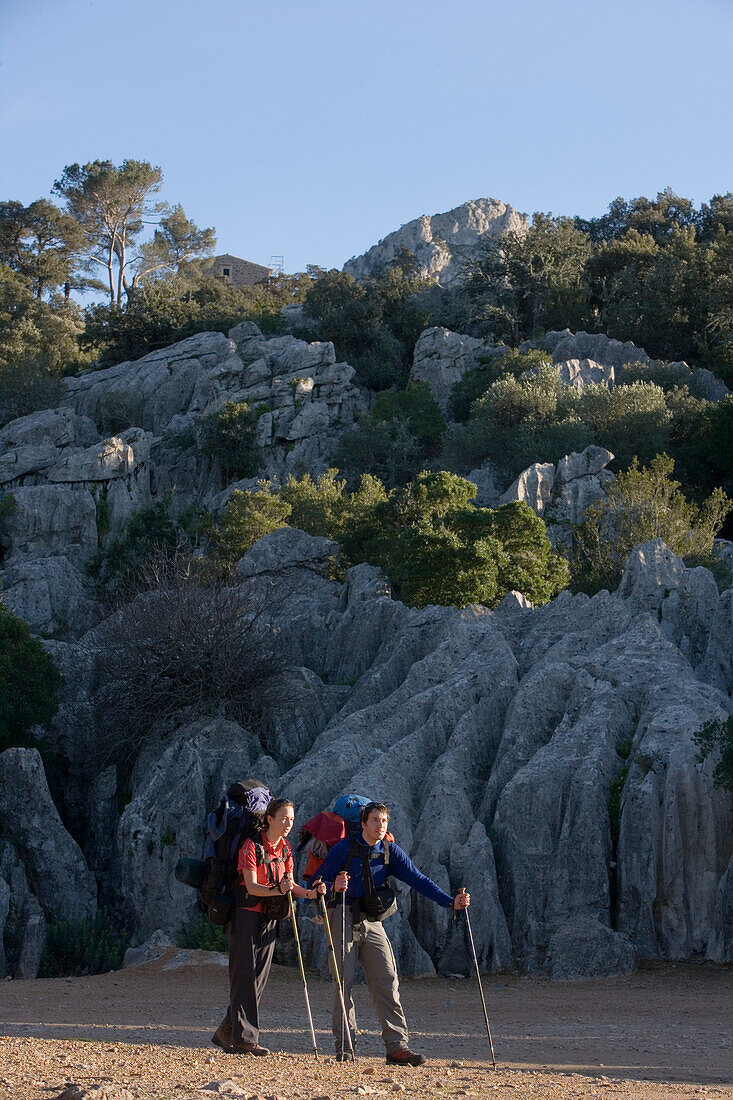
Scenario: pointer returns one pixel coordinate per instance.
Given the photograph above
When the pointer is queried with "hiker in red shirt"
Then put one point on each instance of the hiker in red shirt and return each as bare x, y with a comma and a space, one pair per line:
265, 869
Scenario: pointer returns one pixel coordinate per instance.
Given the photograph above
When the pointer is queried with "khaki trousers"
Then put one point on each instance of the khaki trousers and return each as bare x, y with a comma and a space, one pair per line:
367, 944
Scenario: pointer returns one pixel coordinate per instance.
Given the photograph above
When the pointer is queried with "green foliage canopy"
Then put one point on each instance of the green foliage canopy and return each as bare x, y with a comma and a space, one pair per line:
29, 682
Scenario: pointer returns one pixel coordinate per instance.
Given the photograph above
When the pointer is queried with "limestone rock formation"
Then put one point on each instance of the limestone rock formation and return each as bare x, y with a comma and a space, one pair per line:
441, 243
442, 357
52, 862
561, 494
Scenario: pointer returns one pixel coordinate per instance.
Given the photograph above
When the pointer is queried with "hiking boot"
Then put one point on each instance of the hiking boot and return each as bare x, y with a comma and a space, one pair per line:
222, 1037
344, 1055
405, 1057
257, 1050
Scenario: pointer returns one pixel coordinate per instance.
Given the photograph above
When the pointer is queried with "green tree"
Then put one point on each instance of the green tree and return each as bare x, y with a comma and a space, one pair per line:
436, 547
640, 505
43, 245
247, 518
387, 450
417, 407
29, 682
531, 280
176, 246
228, 435
111, 204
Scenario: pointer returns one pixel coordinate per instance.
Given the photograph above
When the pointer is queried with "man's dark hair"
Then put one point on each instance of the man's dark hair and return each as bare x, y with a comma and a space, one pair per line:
369, 808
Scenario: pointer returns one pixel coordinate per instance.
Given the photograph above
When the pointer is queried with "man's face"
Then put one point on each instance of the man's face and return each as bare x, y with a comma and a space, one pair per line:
375, 826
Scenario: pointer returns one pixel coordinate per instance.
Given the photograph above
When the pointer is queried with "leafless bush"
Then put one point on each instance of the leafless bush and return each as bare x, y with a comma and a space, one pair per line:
182, 649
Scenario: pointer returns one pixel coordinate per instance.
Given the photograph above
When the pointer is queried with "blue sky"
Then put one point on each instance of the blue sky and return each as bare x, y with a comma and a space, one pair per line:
312, 129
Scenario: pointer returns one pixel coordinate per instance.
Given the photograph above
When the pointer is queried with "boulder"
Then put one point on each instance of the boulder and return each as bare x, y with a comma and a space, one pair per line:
55, 867
533, 487
49, 427
585, 948
587, 463
172, 792
685, 601
442, 357
287, 549
112, 458
50, 520
488, 485
580, 373
52, 594
153, 948
441, 243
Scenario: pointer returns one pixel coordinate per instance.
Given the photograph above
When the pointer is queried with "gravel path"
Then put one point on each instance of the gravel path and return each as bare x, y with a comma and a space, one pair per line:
144, 1033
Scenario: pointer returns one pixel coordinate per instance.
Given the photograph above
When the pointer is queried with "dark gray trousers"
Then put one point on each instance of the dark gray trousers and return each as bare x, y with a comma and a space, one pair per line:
251, 946
367, 942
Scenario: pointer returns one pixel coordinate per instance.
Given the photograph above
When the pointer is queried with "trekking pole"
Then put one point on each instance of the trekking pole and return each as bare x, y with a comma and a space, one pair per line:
302, 974
338, 980
343, 952
478, 979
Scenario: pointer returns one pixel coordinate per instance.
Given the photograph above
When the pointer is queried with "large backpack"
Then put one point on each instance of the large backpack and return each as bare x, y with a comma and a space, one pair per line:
239, 817
326, 829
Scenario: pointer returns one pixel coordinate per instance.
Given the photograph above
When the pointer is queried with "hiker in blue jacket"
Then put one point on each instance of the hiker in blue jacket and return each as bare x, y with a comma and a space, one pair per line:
359, 867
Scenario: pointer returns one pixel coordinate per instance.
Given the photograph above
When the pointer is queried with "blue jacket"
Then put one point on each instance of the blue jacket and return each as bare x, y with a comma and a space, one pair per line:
400, 865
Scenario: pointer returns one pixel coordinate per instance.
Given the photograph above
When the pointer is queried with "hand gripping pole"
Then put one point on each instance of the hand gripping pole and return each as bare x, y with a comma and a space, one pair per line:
302, 974
478, 979
334, 963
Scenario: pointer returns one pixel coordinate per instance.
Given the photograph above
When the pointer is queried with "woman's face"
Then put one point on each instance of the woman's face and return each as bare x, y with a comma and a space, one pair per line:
281, 822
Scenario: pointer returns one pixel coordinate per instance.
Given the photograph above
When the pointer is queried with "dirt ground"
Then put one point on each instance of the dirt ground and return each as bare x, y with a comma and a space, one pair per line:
144, 1032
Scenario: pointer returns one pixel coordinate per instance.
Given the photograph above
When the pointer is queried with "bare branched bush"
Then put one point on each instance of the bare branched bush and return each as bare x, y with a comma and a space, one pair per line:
182, 649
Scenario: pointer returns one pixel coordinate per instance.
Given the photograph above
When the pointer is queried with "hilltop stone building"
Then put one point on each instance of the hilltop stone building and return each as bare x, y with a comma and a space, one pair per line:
239, 272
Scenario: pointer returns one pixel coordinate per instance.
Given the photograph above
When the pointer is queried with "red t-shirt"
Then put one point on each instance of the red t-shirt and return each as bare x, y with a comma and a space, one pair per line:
282, 864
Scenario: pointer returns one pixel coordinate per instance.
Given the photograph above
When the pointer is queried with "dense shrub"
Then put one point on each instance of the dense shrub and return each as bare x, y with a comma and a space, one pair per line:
163, 311
374, 325
29, 682
476, 382
432, 543
519, 421
436, 547
93, 945
247, 518
387, 450
228, 435
117, 411
640, 505
148, 534
200, 934
26, 385
417, 407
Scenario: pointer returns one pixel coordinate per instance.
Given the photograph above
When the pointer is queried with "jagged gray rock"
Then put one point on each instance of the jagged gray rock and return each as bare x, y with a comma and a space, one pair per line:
152, 949
172, 791
580, 373
720, 944
441, 243
442, 357
53, 862
533, 487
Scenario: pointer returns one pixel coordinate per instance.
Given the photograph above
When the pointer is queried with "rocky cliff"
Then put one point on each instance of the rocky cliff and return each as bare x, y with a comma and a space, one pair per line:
441, 243
544, 757
496, 738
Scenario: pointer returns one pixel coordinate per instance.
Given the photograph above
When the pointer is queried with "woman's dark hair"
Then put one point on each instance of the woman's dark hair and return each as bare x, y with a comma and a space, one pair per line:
276, 804
370, 808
